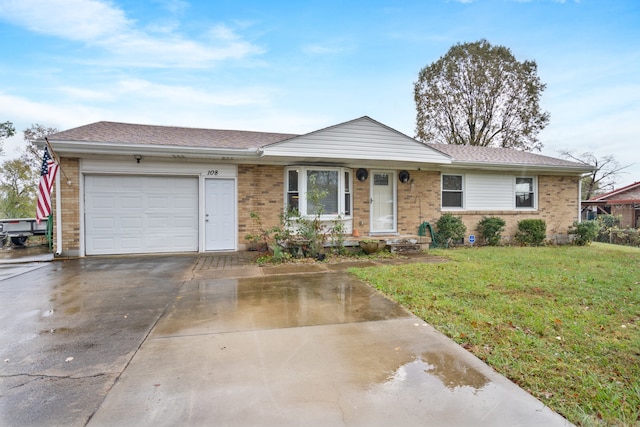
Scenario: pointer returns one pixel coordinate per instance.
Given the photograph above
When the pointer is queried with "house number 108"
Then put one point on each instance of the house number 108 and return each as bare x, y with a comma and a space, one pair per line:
212, 172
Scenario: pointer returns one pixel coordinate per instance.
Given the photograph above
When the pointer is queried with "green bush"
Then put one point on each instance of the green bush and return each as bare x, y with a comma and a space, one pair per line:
585, 232
450, 229
491, 229
620, 236
609, 221
531, 232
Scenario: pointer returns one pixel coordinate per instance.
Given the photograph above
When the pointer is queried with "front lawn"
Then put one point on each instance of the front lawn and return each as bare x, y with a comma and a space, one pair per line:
561, 322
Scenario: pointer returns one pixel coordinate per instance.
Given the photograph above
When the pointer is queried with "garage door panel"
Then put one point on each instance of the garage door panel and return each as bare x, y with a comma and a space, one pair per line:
158, 202
158, 224
132, 243
102, 223
129, 183
183, 222
129, 224
138, 214
104, 243
105, 202
130, 202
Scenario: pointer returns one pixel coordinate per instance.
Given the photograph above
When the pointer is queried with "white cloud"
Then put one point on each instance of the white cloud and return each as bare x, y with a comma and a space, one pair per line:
80, 20
193, 98
100, 24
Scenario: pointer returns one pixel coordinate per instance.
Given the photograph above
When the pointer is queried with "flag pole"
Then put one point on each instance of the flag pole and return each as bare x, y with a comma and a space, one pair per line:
56, 158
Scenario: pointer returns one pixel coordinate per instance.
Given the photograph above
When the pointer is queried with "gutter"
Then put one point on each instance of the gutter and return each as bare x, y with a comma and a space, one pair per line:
520, 166
169, 151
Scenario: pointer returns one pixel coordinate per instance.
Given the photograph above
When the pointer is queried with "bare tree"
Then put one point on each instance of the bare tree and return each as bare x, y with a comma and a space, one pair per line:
603, 178
31, 153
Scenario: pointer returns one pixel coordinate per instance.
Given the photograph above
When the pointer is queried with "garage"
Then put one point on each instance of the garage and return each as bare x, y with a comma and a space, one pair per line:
140, 214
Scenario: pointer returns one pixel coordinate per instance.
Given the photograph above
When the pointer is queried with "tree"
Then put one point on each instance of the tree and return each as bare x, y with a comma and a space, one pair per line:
17, 189
603, 177
6, 131
31, 135
19, 177
479, 94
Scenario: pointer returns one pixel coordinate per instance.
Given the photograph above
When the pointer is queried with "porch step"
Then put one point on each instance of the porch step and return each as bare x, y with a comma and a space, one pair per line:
405, 245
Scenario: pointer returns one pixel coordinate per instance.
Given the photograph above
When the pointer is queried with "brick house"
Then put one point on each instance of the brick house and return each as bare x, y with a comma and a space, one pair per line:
623, 202
128, 188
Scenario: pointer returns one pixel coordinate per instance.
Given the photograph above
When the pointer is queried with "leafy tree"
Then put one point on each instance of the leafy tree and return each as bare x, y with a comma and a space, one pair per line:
479, 94
19, 177
18, 190
603, 177
6, 131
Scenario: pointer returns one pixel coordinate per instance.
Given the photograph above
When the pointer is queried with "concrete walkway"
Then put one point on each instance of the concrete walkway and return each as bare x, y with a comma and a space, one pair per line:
204, 340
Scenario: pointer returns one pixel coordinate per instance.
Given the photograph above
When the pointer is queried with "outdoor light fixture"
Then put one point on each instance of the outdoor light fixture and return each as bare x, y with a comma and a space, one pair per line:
404, 177
362, 174
138, 157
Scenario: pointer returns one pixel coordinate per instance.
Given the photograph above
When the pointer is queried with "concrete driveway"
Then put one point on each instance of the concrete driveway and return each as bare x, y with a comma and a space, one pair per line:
212, 340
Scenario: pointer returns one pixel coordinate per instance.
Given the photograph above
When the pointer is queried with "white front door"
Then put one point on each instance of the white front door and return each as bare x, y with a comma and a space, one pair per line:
383, 202
220, 215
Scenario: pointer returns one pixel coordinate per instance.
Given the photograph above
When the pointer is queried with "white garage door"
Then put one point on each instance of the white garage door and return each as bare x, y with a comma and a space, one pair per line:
140, 214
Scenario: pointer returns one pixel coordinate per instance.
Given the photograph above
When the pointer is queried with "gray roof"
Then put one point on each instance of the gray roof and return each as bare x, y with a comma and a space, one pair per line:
125, 133
136, 134
495, 155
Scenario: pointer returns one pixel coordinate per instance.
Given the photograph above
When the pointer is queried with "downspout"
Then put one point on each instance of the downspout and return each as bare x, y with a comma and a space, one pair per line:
58, 217
580, 198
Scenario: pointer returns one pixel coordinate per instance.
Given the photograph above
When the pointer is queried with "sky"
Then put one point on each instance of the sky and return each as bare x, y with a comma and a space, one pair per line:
299, 66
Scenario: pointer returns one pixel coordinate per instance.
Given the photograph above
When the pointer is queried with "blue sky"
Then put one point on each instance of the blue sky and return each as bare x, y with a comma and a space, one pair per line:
295, 67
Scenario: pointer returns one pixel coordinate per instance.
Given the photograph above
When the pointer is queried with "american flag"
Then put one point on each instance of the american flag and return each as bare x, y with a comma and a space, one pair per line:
47, 177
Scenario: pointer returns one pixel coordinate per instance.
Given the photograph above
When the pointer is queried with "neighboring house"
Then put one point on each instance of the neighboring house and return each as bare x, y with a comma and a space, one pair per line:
127, 188
623, 202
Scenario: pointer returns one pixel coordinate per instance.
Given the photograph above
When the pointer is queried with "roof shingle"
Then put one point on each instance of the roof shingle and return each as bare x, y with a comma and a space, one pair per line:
136, 134
125, 133
495, 155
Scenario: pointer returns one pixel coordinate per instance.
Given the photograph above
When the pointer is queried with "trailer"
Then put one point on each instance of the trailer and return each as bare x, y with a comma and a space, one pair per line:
18, 230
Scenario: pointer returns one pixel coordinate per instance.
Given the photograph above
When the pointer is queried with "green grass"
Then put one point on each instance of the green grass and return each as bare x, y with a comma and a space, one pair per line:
561, 322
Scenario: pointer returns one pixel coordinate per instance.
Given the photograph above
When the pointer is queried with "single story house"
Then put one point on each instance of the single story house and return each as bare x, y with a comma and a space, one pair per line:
130, 188
623, 202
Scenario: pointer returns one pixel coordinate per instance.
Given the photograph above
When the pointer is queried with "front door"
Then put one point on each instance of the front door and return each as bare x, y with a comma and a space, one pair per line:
383, 202
220, 215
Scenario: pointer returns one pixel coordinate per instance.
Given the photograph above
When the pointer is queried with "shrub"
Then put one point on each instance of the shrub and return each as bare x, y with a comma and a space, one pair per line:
620, 236
491, 229
609, 221
531, 232
585, 232
450, 228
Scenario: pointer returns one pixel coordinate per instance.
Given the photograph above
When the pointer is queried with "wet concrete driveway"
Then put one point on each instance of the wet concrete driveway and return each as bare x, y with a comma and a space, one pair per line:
159, 341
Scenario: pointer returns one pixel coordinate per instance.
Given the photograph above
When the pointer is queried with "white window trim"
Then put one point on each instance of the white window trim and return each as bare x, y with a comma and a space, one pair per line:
302, 190
442, 190
534, 180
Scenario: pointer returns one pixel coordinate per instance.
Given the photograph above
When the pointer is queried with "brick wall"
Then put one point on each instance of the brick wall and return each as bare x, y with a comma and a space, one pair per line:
418, 201
70, 193
260, 190
557, 206
361, 206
